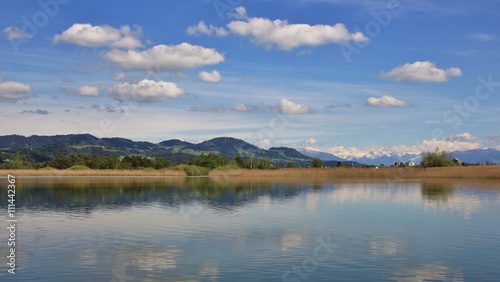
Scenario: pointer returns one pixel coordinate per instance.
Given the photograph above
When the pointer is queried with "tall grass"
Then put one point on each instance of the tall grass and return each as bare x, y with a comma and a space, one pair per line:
458, 172
92, 172
491, 172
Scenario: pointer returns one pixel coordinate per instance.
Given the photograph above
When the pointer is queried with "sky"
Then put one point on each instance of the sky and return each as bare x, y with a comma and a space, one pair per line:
346, 77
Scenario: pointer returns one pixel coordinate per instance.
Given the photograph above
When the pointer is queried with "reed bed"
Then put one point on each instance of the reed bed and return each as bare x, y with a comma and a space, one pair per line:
463, 172
92, 172
488, 172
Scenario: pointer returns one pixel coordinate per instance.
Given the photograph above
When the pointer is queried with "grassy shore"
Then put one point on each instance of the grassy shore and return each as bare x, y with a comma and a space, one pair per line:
469, 172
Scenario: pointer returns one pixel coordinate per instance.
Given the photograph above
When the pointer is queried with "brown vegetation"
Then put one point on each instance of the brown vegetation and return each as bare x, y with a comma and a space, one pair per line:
92, 172
460, 172
490, 172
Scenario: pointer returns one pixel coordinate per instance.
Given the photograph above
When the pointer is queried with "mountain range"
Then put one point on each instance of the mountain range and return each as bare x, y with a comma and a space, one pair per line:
388, 158
45, 148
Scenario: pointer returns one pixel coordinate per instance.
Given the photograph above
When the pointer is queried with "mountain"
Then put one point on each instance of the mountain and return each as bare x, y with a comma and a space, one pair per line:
45, 148
389, 158
478, 156
320, 155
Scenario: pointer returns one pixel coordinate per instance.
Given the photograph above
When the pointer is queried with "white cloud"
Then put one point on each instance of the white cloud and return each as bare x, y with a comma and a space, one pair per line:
311, 141
13, 91
450, 145
239, 107
458, 142
202, 28
386, 101
241, 12
165, 58
422, 71
261, 108
289, 36
90, 91
119, 75
463, 137
210, 77
288, 107
13, 33
146, 91
101, 36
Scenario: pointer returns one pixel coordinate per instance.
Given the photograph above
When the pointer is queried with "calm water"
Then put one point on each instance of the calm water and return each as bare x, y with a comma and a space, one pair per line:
200, 229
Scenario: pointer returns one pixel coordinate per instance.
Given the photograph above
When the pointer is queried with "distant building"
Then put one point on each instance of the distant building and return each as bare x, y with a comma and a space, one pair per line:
399, 164
410, 163
458, 161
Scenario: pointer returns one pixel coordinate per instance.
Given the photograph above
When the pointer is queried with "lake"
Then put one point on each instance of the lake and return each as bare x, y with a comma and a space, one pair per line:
244, 229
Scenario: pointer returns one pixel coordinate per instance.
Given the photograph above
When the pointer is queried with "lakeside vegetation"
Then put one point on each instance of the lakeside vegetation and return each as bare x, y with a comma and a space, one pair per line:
389, 173
436, 164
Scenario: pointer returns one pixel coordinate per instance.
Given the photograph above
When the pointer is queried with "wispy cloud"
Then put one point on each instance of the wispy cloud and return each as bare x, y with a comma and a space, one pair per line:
36, 112
483, 37
88, 91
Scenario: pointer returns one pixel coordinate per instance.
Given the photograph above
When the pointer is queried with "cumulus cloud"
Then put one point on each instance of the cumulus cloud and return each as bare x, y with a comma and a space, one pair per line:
101, 36
287, 36
288, 107
165, 58
311, 141
463, 137
280, 33
386, 101
421, 71
13, 33
89, 91
13, 91
450, 145
210, 77
202, 28
36, 112
146, 91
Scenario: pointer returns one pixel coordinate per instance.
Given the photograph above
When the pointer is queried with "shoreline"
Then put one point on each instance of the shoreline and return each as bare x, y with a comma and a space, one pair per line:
462, 172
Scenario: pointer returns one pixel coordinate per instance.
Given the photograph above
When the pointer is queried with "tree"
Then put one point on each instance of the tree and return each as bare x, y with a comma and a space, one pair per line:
240, 161
317, 163
438, 158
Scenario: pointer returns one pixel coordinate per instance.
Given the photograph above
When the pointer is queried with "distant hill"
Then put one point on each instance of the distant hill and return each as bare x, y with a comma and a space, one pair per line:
44, 148
478, 156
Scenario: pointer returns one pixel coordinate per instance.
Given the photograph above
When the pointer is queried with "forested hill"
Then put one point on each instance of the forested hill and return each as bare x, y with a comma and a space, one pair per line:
46, 148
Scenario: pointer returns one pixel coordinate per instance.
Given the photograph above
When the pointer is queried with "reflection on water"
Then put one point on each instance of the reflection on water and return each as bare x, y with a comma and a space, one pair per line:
269, 229
428, 272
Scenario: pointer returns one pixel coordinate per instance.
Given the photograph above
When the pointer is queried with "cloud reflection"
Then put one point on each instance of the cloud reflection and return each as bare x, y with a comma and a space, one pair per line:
428, 272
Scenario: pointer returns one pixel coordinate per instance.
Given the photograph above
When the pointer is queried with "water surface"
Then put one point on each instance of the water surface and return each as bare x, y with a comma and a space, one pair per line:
270, 229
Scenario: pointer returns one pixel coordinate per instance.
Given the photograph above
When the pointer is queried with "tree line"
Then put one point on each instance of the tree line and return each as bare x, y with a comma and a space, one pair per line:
63, 161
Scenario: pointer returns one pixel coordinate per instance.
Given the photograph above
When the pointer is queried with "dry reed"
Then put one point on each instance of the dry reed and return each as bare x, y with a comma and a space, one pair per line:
470, 172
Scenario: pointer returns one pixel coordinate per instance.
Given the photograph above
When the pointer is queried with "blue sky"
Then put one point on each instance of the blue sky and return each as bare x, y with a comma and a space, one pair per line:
347, 77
